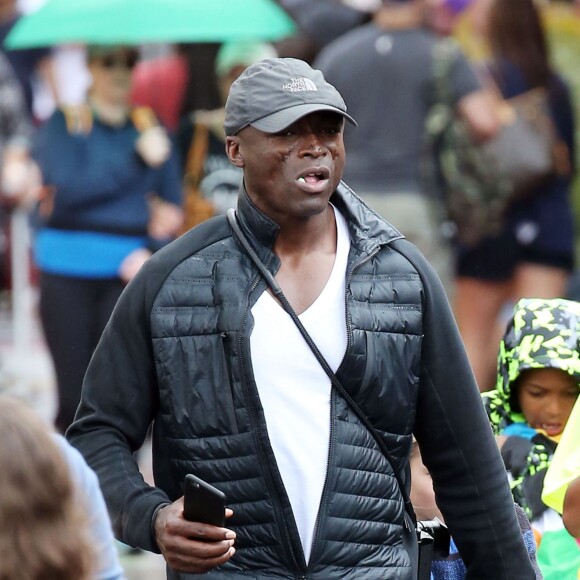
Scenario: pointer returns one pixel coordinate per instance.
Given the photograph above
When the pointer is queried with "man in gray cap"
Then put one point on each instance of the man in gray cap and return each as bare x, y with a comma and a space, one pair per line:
204, 349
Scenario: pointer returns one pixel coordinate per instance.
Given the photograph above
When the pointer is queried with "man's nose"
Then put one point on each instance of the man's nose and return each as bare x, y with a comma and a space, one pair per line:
313, 145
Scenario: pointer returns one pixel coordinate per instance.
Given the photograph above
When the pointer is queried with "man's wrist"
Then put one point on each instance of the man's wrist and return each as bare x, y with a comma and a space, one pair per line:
154, 519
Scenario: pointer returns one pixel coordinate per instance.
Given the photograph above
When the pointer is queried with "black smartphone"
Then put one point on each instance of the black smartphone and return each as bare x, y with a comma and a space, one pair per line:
203, 502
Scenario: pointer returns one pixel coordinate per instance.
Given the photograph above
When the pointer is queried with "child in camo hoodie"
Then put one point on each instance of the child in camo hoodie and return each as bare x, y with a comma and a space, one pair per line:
537, 386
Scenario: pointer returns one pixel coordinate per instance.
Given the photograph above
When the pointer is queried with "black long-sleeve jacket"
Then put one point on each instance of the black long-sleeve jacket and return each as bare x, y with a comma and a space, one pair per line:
177, 353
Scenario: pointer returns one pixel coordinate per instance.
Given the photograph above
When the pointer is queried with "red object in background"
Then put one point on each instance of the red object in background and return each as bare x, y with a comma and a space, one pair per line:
160, 83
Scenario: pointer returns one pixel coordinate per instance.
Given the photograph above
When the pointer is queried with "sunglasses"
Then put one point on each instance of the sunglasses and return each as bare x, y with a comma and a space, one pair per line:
126, 60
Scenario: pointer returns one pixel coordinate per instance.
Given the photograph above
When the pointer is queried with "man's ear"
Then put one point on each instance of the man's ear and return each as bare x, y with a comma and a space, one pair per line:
234, 152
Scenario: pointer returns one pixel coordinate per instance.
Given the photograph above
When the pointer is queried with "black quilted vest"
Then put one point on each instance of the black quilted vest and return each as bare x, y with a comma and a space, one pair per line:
211, 422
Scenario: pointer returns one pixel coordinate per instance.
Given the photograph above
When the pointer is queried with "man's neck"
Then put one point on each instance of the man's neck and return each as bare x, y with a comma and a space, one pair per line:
311, 235
307, 259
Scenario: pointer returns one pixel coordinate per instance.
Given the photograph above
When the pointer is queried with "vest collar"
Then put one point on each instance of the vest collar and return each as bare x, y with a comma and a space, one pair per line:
366, 227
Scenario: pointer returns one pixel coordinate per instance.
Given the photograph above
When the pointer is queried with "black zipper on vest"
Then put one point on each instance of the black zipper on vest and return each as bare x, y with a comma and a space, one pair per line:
324, 497
225, 337
254, 414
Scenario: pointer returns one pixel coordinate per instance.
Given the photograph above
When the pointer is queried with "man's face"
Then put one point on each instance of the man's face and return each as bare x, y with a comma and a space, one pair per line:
291, 174
546, 397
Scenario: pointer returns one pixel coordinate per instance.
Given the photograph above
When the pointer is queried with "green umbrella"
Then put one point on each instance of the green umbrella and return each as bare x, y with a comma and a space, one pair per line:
149, 21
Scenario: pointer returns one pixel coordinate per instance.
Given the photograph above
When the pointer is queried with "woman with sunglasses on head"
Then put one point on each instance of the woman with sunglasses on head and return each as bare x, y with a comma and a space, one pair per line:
111, 196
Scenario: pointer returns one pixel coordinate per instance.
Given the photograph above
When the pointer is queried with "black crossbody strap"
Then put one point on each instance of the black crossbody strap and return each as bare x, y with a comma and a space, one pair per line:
277, 291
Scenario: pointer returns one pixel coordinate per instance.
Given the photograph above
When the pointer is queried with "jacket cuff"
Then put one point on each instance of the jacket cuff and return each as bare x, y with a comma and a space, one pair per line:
152, 528
138, 523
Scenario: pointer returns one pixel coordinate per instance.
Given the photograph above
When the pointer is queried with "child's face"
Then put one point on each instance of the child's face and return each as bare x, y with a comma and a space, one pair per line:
422, 494
546, 398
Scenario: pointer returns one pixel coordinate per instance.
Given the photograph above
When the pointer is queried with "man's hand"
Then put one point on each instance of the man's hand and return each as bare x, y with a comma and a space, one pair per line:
191, 547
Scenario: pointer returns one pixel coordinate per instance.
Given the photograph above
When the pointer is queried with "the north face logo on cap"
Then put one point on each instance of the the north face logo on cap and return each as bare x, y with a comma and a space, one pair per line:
300, 84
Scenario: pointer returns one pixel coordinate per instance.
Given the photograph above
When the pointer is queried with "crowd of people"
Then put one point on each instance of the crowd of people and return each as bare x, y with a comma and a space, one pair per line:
194, 250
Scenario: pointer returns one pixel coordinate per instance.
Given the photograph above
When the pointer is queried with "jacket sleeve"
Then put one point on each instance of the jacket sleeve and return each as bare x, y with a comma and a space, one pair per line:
458, 447
119, 401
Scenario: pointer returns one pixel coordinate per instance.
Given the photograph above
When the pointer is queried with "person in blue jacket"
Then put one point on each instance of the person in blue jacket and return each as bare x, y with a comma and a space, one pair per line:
111, 197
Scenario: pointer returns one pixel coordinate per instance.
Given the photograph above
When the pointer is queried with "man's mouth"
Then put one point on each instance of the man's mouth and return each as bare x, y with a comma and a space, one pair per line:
314, 181
311, 178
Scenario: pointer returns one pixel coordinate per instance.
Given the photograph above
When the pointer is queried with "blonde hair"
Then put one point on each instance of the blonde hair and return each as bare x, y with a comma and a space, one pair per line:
42, 529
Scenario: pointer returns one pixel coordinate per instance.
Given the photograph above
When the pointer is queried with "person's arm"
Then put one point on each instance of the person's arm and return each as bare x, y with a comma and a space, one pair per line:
165, 217
46, 71
458, 447
562, 109
166, 203
90, 499
119, 401
16, 124
478, 112
571, 513
18, 175
475, 100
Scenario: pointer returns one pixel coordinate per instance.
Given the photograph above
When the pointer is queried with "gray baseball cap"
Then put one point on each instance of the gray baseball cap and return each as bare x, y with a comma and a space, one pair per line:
274, 93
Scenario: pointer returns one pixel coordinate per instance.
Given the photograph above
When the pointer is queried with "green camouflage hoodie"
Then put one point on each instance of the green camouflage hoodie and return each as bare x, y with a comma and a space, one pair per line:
541, 334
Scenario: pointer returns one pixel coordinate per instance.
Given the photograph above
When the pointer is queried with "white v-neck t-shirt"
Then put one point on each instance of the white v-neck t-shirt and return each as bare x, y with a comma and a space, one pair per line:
294, 389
